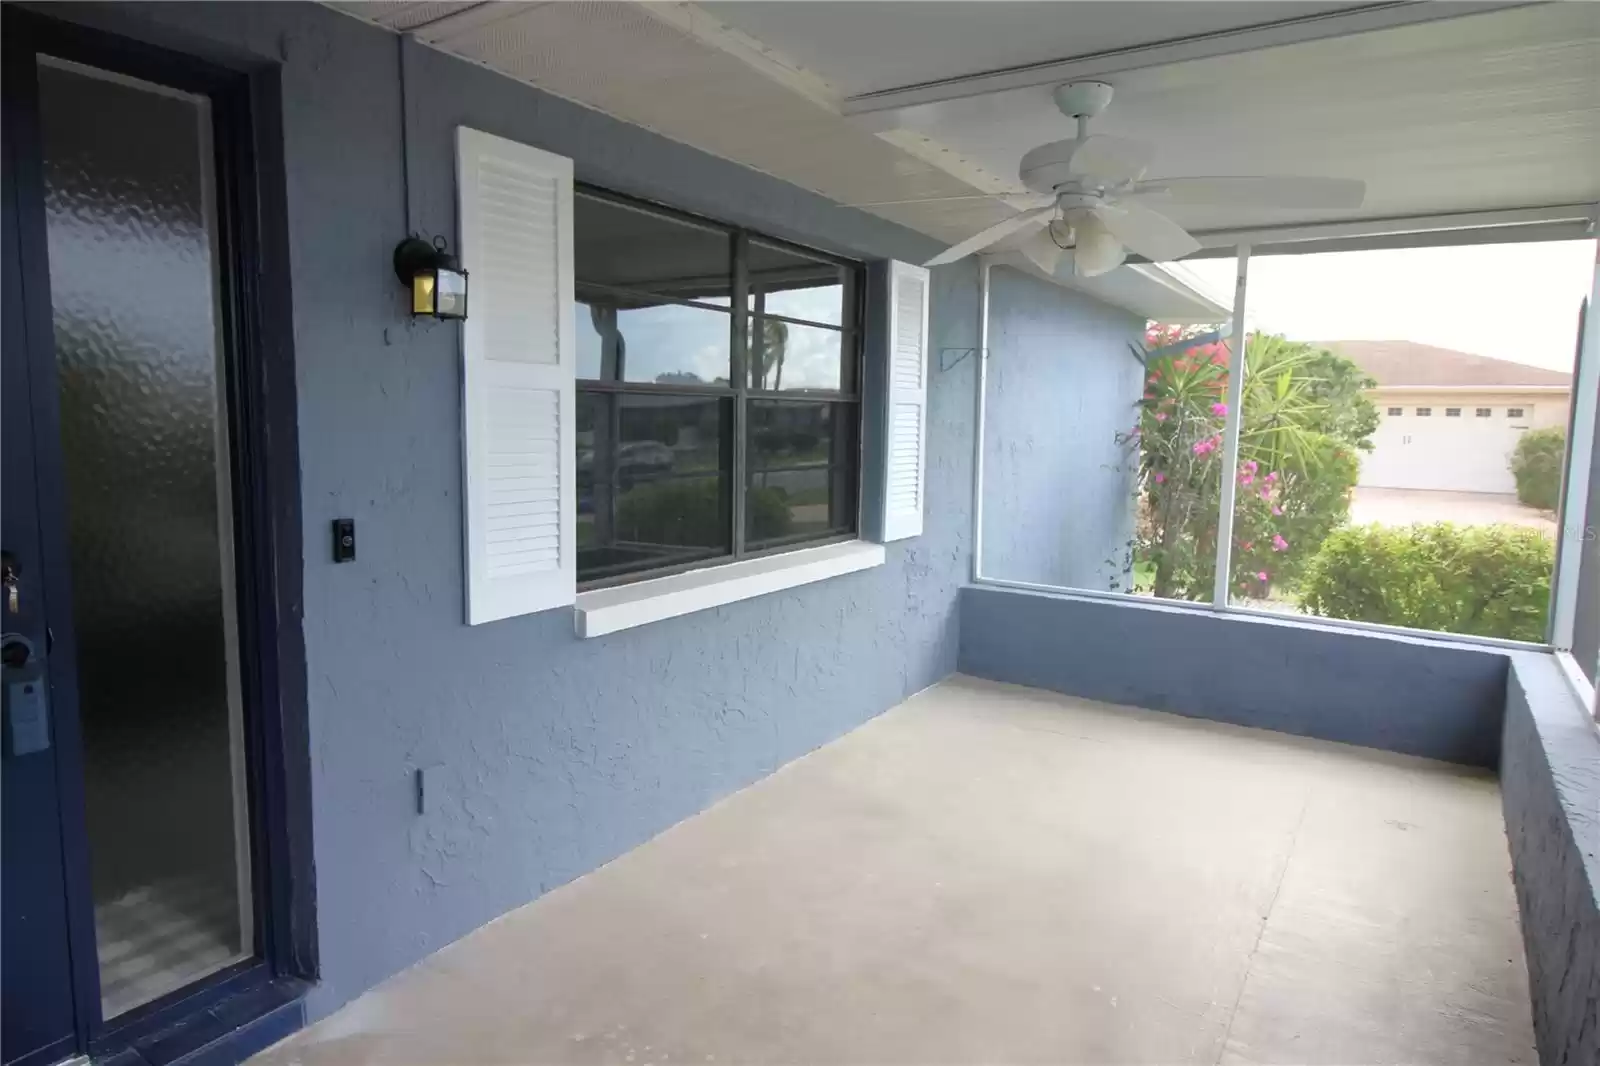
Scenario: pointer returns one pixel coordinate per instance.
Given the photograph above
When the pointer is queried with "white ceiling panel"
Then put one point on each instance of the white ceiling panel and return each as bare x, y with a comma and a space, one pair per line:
868, 45
626, 60
1490, 111
1486, 111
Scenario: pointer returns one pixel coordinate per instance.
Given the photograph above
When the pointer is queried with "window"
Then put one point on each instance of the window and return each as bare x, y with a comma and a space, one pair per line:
718, 405
1424, 412
1452, 412
1396, 412
1513, 412
1483, 412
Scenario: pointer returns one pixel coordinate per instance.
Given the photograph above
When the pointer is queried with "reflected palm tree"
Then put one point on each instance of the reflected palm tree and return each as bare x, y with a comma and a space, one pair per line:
774, 344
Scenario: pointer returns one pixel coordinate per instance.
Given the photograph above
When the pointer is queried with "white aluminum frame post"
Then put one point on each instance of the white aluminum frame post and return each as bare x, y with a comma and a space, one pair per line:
1237, 344
1573, 524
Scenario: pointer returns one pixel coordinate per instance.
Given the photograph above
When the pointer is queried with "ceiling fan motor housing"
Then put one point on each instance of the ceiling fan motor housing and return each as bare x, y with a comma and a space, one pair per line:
1049, 167
1082, 99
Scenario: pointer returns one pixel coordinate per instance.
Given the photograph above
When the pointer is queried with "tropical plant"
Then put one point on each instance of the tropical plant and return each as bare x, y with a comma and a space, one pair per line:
1304, 420
768, 359
1536, 464
1491, 581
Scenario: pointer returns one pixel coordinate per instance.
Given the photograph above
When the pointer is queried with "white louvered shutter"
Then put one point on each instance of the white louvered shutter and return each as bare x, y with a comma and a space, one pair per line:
906, 409
518, 377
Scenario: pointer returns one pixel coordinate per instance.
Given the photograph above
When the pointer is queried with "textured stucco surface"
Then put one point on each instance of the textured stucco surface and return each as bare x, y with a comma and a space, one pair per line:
1062, 384
1550, 786
555, 754
1415, 697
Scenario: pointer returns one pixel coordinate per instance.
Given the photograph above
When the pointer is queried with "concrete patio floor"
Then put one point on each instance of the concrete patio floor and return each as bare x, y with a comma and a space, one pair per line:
989, 873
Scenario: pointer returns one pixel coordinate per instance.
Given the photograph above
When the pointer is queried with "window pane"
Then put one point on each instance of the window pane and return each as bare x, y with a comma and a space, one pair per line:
789, 357
786, 504
654, 481
785, 434
629, 248
786, 283
800, 457
630, 339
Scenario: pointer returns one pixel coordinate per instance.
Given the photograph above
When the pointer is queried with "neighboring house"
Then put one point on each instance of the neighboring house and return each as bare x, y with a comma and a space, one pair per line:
1449, 420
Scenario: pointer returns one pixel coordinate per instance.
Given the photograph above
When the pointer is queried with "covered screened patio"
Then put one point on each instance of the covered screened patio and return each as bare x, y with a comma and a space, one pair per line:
729, 571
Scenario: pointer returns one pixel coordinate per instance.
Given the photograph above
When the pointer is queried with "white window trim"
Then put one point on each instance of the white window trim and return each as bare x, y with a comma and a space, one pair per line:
610, 610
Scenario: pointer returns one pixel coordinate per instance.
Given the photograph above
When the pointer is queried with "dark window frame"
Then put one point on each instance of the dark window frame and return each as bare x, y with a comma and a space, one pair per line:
1482, 412
738, 390
1452, 412
1396, 412
1424, 412
1516, 412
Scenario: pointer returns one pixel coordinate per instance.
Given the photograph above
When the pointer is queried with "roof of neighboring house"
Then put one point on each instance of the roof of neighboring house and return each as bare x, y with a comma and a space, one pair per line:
1407, 363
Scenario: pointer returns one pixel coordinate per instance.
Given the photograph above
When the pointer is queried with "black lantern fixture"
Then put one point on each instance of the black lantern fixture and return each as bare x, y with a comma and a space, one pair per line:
438, 284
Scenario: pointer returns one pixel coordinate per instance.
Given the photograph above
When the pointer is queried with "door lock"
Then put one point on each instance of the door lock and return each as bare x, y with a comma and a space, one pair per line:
10, 575
26, 696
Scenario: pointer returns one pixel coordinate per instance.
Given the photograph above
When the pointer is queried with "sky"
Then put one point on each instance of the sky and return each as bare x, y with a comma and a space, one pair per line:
1506, 301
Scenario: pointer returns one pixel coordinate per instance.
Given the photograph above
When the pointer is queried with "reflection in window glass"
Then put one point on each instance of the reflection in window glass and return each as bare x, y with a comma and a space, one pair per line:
797, 286
624, 247
621, 338
787, 356
800, 470
654, 481
792, 434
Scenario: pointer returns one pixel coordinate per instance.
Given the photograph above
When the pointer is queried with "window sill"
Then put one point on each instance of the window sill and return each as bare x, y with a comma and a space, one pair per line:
605, 611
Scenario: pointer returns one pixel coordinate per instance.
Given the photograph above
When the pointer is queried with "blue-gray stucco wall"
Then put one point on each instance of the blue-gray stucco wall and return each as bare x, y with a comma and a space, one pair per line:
1550, 785
557, 753
1415, 696
1057, 486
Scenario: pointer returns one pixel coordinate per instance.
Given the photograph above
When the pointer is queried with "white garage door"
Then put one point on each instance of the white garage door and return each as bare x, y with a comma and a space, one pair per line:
1461, 454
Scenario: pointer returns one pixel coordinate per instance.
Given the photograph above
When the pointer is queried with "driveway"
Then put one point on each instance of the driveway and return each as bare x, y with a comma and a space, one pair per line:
1399, 507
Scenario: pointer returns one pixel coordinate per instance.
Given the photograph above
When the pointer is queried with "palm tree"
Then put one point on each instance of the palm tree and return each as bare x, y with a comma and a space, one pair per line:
774, 343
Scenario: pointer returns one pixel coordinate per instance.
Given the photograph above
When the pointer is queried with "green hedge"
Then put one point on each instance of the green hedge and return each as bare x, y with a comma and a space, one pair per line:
1536, 464
1491, 581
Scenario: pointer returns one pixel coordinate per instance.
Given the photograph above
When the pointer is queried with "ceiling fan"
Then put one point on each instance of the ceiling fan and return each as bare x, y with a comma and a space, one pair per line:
1098, 205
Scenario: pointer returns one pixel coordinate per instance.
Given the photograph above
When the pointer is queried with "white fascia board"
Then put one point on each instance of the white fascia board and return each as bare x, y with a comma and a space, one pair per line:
1161, 292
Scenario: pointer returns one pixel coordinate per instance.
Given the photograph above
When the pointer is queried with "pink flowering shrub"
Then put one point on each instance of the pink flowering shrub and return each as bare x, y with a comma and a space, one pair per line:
1305, 420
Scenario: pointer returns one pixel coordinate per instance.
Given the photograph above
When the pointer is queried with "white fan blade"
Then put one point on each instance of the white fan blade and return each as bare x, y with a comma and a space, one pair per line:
1114, 160
1043, 252
1151, 234
1258, 192
994, 233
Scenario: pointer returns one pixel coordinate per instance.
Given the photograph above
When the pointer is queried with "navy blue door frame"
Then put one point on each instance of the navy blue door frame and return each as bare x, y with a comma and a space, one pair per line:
257, 332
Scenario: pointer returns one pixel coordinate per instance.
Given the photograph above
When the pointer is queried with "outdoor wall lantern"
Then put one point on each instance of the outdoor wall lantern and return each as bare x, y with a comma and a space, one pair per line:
438, 284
